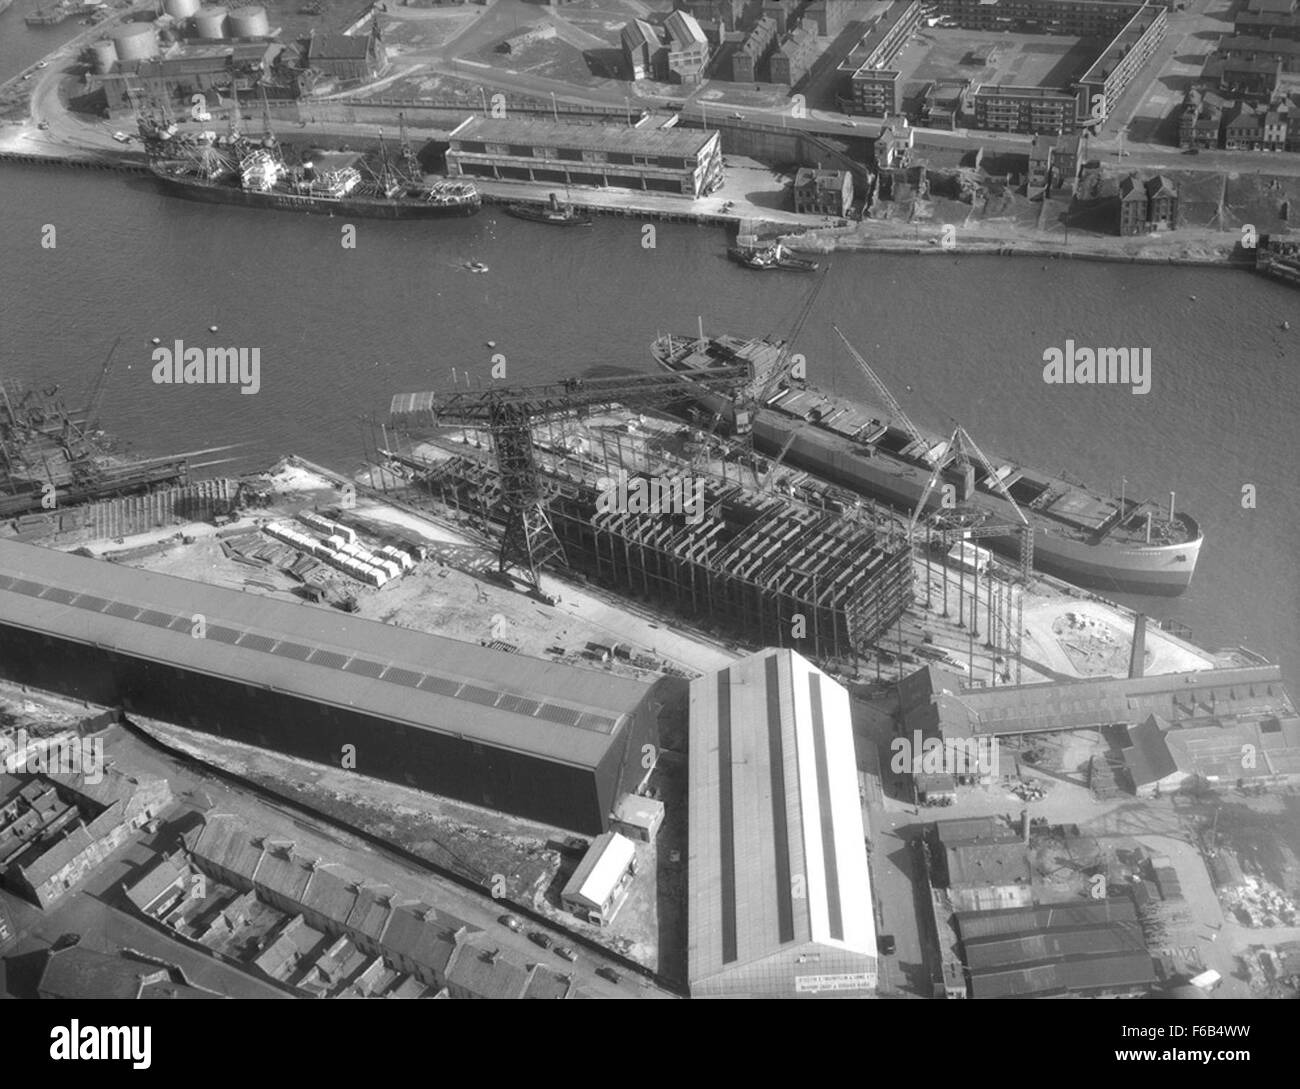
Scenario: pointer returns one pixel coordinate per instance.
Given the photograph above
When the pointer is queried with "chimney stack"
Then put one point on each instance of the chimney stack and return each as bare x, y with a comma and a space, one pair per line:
1137, 659
1024, 825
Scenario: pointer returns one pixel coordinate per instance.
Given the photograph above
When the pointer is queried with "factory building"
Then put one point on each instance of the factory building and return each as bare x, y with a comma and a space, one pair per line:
929, 703
536, 739
1080, 950
665, 160
215, 70
779, 893
348, 59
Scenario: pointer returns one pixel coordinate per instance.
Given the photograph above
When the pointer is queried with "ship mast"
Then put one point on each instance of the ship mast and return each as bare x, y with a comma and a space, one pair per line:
415, 172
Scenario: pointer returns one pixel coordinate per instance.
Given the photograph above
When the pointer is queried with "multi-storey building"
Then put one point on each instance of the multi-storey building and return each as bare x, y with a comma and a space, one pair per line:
874, 85
1243, 128
1122, 59
682, 161
1024, 109
723, 13
688, 48
792, 59
754, 50
823, 192
1200, 121
1078, 18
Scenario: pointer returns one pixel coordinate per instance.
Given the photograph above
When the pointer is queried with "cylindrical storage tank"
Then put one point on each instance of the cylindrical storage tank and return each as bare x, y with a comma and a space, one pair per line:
249, 22
210, 23
103, 54
134, 41
180, 10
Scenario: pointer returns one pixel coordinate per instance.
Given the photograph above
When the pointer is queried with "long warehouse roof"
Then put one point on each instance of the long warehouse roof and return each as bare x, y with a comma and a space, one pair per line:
510, 701
932, 700
777, 855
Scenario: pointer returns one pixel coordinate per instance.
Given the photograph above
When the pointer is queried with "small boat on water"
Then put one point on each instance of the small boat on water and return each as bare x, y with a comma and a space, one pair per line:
554, 213
770, 259
475, 266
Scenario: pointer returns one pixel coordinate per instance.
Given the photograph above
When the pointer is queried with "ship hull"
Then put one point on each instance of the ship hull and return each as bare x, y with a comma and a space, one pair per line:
536, 216
367, 207
1116, 567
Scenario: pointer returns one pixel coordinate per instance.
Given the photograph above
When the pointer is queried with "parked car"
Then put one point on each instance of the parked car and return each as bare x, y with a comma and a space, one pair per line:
511, 922
566, 952
607, 973
538, 938
886, 945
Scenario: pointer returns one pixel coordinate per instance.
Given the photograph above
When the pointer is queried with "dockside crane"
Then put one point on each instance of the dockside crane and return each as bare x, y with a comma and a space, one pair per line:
919, 445
529, 541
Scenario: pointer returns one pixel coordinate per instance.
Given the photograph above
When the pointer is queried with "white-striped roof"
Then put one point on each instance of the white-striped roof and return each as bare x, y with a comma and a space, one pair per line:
777, 849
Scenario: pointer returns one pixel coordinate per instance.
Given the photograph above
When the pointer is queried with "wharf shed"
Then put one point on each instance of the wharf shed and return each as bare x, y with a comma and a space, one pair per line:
669, 160
780, 901
540, 740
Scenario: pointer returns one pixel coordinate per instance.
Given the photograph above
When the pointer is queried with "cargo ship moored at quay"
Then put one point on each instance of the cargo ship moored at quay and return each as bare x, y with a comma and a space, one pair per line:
235, 170
1105, 542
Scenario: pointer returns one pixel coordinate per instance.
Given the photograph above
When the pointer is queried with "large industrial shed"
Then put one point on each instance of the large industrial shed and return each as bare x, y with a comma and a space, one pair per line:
530, 737
780, 900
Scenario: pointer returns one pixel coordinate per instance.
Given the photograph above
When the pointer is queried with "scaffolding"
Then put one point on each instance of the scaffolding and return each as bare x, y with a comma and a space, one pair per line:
769, 570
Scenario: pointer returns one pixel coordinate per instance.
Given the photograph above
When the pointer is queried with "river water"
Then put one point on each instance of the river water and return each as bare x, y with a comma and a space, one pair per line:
340, 330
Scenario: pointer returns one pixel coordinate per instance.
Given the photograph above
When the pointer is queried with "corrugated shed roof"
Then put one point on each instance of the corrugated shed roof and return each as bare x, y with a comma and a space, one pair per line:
1118, 972
1066, 705
1002, 951
1021, 920
776, 836
507, 700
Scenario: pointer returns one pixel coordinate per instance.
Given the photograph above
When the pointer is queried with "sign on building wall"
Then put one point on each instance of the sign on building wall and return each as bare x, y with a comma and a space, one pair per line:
848, 981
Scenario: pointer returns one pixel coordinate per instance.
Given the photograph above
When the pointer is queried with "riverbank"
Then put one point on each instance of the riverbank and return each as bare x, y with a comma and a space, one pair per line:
1195, 247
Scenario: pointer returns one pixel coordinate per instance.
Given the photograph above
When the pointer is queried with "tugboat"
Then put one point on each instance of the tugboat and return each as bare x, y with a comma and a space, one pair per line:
555, 213
770, 259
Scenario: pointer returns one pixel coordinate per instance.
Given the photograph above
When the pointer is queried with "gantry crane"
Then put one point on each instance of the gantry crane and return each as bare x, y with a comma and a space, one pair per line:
528, 540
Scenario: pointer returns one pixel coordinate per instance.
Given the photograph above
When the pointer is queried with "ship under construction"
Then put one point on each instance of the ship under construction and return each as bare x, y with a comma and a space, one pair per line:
809, 568
52, 457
